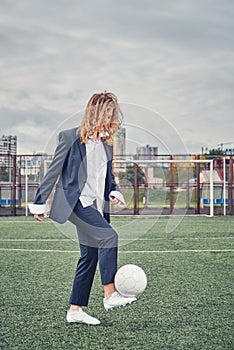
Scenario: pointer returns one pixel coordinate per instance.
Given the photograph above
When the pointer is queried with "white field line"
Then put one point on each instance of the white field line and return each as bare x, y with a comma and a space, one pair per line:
120, 239
132, 217
34, 240
25, 221
115, 216
124, 252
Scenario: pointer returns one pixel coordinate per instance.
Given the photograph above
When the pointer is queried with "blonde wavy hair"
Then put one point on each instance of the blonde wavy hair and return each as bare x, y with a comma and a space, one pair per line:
102, 117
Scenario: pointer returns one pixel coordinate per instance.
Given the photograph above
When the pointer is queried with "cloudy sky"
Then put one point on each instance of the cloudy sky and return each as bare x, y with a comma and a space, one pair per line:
170, 62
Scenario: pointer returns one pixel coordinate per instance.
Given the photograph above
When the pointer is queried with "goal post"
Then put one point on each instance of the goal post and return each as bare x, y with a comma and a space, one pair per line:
172, 187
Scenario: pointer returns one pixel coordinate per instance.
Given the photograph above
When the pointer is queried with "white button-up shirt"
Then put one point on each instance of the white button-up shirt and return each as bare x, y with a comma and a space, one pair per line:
96, 174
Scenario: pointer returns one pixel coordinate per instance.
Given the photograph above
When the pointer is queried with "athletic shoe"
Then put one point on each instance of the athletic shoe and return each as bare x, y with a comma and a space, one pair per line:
80, 316
117, 300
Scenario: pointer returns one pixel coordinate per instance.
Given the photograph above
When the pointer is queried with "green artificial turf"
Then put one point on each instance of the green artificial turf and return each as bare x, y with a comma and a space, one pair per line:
188, 302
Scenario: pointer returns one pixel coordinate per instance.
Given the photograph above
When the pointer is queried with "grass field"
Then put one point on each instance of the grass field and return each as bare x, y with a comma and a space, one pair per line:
188, 303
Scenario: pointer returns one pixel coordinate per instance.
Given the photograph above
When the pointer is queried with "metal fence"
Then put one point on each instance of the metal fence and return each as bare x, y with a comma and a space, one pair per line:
166, 184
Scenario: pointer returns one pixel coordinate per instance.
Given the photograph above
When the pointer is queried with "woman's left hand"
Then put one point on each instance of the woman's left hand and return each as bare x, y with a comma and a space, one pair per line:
114, 200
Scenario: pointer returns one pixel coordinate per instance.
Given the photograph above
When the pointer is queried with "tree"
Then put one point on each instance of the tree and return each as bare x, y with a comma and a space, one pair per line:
216, 151
129, 175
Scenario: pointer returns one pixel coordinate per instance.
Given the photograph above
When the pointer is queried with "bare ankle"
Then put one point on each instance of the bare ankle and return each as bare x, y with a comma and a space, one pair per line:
109, 289
74, 307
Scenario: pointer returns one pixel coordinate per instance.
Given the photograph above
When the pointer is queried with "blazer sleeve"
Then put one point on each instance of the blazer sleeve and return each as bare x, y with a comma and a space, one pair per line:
55, 169
115, 191
114, 186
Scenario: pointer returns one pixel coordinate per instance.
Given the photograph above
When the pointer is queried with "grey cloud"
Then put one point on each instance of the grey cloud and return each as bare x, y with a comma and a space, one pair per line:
175, 55
33, 127
36, 115
195, 25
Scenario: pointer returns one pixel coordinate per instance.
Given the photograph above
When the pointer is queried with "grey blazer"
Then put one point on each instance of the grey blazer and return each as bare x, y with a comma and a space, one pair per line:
69, 169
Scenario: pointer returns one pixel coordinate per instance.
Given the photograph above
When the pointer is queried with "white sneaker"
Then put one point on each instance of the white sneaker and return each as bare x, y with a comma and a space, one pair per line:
81, 317
117, 300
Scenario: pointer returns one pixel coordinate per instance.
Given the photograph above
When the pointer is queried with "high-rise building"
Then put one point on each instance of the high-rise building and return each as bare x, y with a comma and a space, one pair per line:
119, 144
8, 148
149, 153
8, 145
119, 150
146, 152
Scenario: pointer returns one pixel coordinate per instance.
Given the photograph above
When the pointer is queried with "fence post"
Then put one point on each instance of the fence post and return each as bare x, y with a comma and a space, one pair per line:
171, 186
198, 197
13, 185
20, 184
187, 190
135, 187
230, 184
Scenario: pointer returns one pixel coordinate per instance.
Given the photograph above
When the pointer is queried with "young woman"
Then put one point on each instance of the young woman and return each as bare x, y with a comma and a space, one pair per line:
82, 168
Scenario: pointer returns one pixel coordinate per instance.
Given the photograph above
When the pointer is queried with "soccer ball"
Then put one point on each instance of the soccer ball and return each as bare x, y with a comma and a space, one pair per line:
130, 280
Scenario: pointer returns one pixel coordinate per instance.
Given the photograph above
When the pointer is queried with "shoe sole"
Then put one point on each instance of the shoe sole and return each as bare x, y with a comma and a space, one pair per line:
82, 322
88, 324
110, 307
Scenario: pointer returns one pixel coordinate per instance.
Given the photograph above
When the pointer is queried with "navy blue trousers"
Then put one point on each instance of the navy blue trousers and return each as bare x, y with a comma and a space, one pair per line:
98, 242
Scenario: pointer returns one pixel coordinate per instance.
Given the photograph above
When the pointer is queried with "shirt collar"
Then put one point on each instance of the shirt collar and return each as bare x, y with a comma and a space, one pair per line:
91, 140
99, 139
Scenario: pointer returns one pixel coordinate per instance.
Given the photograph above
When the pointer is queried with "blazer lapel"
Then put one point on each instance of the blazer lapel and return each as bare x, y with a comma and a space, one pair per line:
82, 170
82, 149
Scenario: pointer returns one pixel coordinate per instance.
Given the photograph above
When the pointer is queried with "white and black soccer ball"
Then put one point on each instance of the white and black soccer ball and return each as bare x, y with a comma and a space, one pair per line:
130, 280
